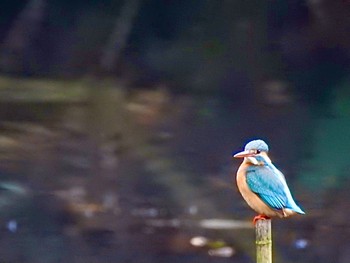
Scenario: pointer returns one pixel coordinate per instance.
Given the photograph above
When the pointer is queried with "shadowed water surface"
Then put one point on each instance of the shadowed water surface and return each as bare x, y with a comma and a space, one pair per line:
146, 176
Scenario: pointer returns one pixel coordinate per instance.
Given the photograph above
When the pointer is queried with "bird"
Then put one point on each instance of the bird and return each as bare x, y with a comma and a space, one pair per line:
262, 185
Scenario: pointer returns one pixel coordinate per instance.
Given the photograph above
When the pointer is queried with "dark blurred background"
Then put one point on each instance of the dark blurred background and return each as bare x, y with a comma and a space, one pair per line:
118, 120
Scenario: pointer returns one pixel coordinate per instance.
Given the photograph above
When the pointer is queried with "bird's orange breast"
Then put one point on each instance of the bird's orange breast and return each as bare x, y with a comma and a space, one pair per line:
252, 199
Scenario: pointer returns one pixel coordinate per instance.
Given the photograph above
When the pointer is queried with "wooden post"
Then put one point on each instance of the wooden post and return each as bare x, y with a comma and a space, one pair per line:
263, 241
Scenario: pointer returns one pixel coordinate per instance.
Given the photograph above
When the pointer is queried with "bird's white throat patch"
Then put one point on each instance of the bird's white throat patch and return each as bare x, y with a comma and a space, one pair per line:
255, 161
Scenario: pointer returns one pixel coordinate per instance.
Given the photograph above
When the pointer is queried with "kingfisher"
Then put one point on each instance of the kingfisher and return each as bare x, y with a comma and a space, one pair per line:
262, 185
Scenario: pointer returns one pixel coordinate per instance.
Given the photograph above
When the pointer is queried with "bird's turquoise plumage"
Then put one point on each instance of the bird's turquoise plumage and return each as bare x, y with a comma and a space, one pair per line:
262, 185
257, 145
270, 185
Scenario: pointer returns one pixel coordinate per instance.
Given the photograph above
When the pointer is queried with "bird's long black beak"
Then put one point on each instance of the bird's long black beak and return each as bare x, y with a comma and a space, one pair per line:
244, 154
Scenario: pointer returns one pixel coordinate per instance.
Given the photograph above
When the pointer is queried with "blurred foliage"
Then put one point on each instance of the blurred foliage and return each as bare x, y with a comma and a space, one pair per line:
327, 165
101, 153
41, 90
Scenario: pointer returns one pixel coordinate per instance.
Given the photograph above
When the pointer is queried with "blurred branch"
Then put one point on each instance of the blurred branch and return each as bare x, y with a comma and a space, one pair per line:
24, 30
119, 37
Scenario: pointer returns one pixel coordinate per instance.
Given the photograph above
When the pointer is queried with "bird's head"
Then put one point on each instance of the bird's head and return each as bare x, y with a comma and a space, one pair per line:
255, 152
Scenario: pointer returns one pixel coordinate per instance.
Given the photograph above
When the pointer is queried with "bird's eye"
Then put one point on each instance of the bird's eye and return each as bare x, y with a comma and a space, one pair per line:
258, 151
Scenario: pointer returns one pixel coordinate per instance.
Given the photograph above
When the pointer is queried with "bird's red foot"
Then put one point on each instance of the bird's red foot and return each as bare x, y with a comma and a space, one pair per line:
260, 217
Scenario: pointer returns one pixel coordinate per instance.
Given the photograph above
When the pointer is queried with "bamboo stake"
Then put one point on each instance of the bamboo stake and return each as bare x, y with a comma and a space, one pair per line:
263, 241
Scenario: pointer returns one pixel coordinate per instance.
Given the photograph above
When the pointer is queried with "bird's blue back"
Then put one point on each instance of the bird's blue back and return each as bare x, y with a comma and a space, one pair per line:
270, 185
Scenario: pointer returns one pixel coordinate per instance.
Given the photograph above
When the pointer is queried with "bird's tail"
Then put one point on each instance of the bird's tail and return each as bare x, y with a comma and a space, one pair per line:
297, 209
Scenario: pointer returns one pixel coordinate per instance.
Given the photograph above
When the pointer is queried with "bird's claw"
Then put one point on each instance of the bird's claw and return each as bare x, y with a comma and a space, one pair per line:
260, 217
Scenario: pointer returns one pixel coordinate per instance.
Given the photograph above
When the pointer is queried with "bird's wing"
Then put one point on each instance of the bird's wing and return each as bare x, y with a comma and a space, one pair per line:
268, 184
